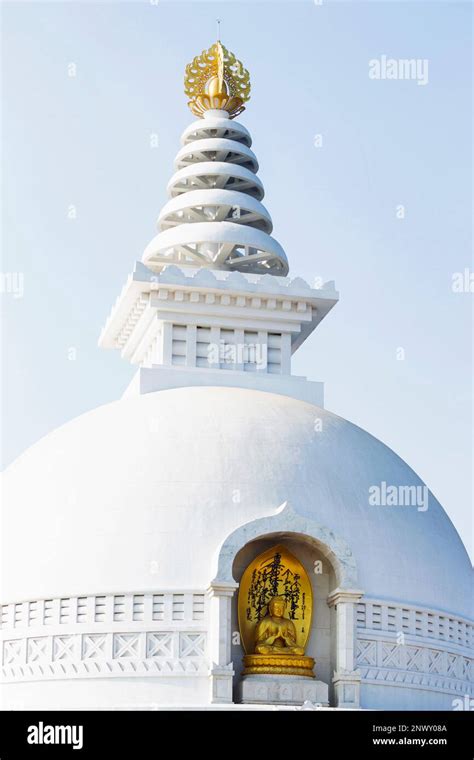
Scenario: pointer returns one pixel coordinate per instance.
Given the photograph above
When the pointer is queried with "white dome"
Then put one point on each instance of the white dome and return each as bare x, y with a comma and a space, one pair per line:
158, 478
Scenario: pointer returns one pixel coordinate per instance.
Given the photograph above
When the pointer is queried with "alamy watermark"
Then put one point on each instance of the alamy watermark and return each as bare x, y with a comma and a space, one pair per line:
463, 282
415, 69
42, 733
12, 283
237, 354
385, 495
464, 703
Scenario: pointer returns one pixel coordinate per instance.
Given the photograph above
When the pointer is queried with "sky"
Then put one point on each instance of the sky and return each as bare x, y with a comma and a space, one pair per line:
368, 181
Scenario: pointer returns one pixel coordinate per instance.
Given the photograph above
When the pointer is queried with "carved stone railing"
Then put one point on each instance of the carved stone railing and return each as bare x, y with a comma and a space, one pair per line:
405, 645
106, 635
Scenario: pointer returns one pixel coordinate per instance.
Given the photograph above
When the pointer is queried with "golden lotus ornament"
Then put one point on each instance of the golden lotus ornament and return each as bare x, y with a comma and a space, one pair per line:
216, 79
275, 610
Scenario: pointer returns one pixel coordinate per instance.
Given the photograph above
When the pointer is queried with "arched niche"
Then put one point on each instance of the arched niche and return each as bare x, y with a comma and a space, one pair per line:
284, 521
332, 639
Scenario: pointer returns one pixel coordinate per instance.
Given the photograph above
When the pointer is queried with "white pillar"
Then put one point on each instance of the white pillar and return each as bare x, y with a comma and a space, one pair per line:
239, 343
262, 348
285, 354
191, 333
220, 641
167, 344
214, 342
346, 678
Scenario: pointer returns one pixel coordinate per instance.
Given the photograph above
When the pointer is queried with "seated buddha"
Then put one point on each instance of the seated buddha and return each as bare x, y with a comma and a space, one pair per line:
276, 634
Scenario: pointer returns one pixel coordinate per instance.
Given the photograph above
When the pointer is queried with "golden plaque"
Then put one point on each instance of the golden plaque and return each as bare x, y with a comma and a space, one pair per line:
275, 609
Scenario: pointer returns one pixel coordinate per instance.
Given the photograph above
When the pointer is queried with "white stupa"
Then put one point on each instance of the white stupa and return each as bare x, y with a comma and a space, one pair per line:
127, 530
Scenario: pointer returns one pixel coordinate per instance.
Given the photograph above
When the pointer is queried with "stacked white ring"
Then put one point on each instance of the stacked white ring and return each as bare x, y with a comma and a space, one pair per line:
215, 216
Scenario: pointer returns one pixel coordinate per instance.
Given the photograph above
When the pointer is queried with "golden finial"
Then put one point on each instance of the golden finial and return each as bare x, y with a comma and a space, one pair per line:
216, 79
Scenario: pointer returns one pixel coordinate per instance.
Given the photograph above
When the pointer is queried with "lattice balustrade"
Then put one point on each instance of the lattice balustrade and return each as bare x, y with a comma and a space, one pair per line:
409, 646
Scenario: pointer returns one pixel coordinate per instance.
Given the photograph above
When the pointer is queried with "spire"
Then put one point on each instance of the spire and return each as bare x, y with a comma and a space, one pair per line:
215, 217
211, 292
217, 79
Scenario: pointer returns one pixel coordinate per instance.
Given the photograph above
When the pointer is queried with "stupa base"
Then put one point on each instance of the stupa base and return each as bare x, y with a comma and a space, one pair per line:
283, 690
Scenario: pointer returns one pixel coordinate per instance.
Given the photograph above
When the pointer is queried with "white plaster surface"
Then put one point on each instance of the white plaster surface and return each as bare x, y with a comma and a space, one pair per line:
146, 493
140, 493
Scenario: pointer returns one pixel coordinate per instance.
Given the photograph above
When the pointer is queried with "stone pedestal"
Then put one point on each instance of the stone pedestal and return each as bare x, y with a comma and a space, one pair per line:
347, 689
282, 690
278, 665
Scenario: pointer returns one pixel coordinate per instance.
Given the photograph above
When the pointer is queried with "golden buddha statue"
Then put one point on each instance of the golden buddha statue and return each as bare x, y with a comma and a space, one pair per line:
274, 643
275, 633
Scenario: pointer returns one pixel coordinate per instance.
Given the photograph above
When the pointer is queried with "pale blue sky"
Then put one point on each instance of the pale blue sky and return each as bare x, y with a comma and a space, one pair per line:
86, 141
